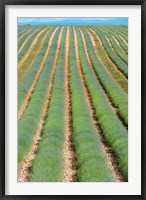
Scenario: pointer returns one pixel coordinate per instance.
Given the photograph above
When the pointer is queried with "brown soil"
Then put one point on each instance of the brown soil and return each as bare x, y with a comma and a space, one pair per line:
119, 44
114, 50
31, 90
26, 65
115, 110
122, 82
123, 40
25, 41
32, 45
70, 169
24, 34
26, 165
111, 159
111, 46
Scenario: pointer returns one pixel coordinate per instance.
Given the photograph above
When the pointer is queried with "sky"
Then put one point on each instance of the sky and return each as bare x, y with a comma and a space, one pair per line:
72, 21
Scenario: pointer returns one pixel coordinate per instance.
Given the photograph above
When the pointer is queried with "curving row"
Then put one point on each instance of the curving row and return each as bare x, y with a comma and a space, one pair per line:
117, 96
28, 44
90, 157
118, 38
113, 130
48, 165
107, 62
21, 31
26, 34
121, 65
115, 46
28, 80
28, 125
119, 31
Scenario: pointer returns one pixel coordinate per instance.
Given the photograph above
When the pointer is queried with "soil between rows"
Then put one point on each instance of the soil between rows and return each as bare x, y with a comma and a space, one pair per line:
70, 168
26, 165
103, 89
111, 159
32, 88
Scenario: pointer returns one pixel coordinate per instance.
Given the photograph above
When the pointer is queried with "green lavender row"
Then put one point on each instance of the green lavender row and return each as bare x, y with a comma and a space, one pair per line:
28, 125
114, 132
115, 46
109, 66
115, 93
28, 80
25, 36
90, 157
48, 165
28, 44
120, 33
22, 31
121, 42
120, 29
21, 28
116, 59
125, 28
118, 38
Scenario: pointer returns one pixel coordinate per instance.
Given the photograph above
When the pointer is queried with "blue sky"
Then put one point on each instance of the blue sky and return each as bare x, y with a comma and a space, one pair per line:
73, 21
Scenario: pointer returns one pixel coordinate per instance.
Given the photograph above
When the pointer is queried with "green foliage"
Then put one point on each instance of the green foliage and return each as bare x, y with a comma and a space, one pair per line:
90, 157
119, 39
115, 46
21, 31
119, 31
28, 32
28, 125
112, 128
48, 165
121, 65
91, 160
122, 43
28, 44
28, 80
115, 93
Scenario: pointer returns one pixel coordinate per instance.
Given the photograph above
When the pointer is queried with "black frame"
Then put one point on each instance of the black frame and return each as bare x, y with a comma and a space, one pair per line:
3, 3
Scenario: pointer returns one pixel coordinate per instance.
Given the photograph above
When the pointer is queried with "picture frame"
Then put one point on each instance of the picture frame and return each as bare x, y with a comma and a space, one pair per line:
3, 100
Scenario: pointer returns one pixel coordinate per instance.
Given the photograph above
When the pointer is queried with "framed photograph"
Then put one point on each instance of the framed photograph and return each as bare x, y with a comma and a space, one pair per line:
72, 99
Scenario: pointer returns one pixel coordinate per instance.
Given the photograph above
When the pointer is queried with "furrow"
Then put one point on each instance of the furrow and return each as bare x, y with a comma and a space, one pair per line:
125, 37
70, 168
31, 47
119, 44
117, 108
121, 65
111, 159
118, 38
91, 160
115, 133
32, 88
24, 34
20, 32
50, 156
120, 30
117, 51
27, 82
20, 42
27, 46
123, 40
25, 41
98, 38
32, 57
107, 63
26, 165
